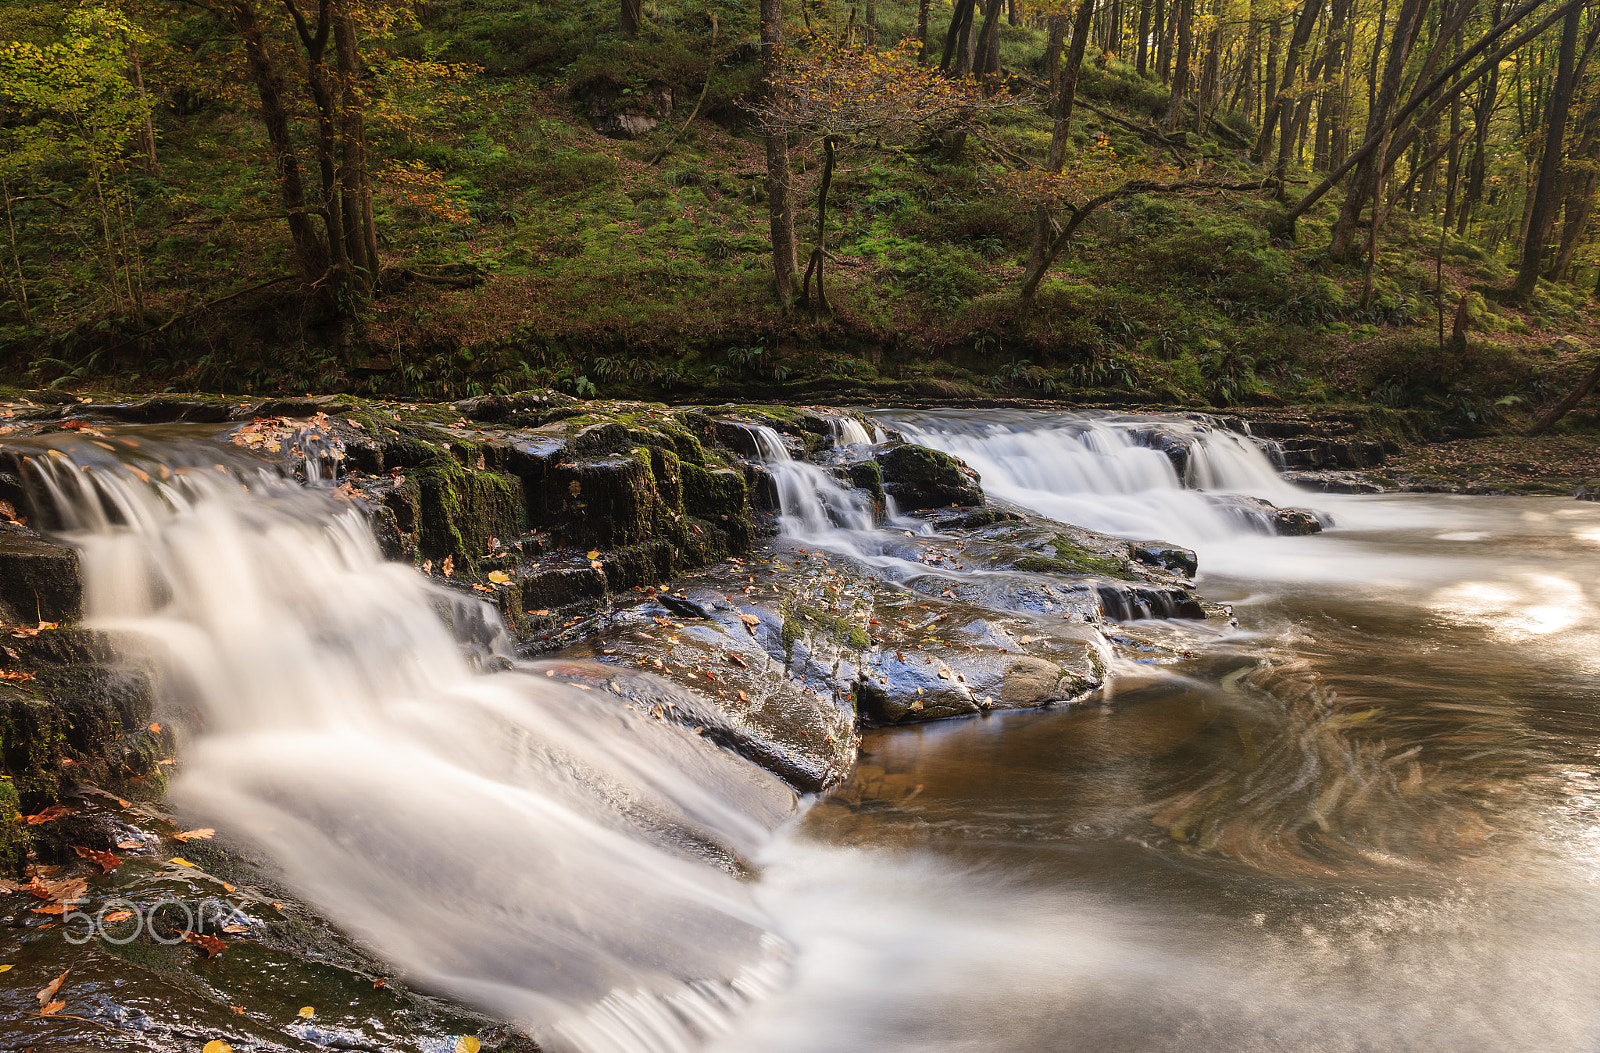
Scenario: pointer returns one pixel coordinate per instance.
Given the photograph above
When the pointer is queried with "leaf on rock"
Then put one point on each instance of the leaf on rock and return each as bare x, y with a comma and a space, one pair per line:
55, 811
306, 1012
104, 860
50, 990
735, 660
180, 861
203, 834
209, 946
499, 577
448, 567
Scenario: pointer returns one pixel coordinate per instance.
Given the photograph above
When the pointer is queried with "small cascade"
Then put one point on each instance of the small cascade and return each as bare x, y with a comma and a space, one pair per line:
847, 431
811, 502
1184, 480
538, 849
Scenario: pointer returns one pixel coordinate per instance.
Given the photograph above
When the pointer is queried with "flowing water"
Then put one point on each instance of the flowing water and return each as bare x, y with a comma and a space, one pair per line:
538, 850
1363, 816
1366, 818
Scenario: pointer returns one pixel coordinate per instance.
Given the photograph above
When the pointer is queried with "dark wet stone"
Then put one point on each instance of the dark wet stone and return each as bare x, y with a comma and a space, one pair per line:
1174, 558
38, 578
1589, 491
917, 477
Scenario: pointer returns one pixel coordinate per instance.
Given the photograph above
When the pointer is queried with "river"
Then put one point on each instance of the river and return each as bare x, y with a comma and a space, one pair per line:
1361, 814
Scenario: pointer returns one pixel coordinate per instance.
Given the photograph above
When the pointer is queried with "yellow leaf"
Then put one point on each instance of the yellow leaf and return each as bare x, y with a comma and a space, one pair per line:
216, 1045
5, 968
499, 577
467, 1044
182, 862
306, 1012
594, 553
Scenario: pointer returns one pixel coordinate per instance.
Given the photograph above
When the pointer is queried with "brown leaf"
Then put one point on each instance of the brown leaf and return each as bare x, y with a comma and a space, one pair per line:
448, 567
104, 860
50, 990
735, 660
209, 946
52, 1008
128, 846
234, 930
15, 675
117, 915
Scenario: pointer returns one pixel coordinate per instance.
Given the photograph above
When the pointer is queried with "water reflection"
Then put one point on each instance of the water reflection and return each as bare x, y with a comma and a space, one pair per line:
1368, 818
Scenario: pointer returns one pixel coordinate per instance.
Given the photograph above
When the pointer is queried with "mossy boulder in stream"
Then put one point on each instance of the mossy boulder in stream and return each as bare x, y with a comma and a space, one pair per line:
919, 477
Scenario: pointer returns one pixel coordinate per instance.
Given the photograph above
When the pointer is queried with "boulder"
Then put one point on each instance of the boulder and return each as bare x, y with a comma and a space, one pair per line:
918, 477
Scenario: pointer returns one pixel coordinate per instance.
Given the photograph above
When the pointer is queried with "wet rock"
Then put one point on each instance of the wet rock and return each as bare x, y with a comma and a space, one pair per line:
1312, 452
918, 477
38, 578
1173, 558
1334, 482
1589, 491
164, 409
1266, 518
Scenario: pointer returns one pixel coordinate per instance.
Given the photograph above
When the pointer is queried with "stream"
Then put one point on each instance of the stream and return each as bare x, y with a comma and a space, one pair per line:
1363, 813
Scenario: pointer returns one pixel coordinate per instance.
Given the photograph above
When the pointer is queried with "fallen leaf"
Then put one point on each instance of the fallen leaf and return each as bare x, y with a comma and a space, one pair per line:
595, 564
52, 1008
539, 613
467, 1044
117, 915
128, 846
209, 946
16, 675
180, 861
499, 577
750, 623
216, 1045
51, 988
104, 860
734, 659
55, 811
234, 930
203, 834
6, 968
743, 697
306, 1012
448, 567
53, 908
155, 729
594, 553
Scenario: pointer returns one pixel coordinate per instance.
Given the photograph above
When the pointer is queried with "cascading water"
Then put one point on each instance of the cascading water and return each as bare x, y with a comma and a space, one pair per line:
1132, 476
811, 501
534, 848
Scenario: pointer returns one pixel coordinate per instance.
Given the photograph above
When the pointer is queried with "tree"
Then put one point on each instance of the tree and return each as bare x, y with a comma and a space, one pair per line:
75, 110
832, 93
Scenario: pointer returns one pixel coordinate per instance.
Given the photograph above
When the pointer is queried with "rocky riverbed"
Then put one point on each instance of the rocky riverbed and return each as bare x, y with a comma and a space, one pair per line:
634, 549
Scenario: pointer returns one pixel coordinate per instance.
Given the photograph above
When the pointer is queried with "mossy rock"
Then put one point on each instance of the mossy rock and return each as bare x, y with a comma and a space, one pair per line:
918, 477
14, 837
458, 511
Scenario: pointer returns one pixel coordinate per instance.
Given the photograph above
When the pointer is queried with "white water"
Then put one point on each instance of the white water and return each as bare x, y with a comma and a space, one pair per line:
1093, 471
811, 501
532, 848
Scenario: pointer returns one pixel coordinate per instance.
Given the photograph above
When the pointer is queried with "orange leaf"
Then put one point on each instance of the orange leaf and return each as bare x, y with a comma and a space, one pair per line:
209, 946
202, 834
50, 989
52, 1008
104, 860
55, 811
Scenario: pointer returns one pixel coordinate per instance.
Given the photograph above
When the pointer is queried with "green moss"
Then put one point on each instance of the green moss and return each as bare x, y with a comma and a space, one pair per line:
32, 741
14, 835
460, 510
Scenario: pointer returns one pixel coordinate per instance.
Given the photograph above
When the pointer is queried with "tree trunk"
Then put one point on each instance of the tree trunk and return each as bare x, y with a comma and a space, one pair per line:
988, 50
818, 251
355, 183
1141, 61
310, 255
1544, 201
780, 179
1562, 408
1059, 138
1180, 72
632, 17
147, 128
1279, 103
1166, 20
922, 32
1365, 181
960, 22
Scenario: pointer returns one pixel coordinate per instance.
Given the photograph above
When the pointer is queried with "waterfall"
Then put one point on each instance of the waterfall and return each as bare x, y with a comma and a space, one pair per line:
532, 847
811, 502
1127, 475
847, 431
